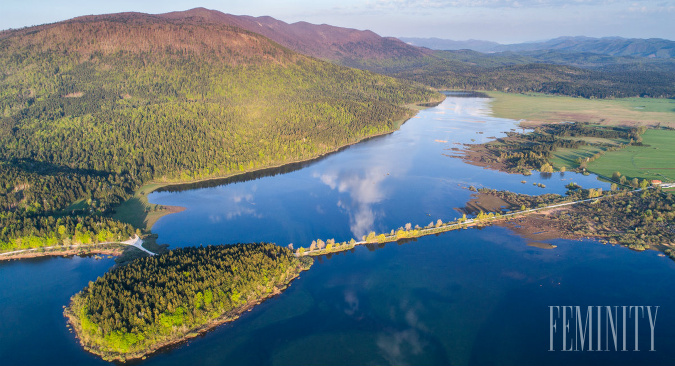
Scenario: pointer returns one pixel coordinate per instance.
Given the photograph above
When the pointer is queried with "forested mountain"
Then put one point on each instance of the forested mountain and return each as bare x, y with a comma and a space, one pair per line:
93, 107
576, 66
434, 43
563, 71
584, 74
612, 46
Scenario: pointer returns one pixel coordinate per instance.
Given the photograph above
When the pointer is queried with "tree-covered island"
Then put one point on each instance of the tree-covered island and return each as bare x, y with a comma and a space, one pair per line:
161, 300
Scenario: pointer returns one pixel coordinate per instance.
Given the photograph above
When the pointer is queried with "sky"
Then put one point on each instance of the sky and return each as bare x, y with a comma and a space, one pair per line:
504, 21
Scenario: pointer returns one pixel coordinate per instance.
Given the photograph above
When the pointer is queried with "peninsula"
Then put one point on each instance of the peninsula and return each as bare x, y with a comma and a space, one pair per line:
157, 301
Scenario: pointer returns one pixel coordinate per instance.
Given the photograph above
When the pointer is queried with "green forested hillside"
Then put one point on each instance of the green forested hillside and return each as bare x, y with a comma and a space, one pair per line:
159, 300
96, 106
522, 73
573, 74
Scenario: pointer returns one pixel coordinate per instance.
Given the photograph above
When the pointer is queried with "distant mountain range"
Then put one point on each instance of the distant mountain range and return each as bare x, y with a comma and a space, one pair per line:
613, 46
578, 66
448, 44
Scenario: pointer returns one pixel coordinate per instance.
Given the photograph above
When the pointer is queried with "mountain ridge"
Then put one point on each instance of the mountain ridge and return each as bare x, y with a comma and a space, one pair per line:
614, 46
322, 41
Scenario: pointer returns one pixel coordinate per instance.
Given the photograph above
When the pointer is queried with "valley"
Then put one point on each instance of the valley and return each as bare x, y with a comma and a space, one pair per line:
163, 175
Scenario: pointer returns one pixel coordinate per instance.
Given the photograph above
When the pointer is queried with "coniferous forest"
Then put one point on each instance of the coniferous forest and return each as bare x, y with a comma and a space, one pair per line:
160, 300
92, 108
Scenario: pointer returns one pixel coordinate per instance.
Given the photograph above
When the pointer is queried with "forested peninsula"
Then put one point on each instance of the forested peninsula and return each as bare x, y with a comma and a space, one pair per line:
94, 107
161, 300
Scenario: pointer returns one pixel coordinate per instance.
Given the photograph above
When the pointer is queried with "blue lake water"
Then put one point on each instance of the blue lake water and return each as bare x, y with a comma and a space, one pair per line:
377, 185
465, 297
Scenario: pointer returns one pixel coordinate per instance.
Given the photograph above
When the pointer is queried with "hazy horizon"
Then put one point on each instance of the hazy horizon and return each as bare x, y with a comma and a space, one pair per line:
501, 21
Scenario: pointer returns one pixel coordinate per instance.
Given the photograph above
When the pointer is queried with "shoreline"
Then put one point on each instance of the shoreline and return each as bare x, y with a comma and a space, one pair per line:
142, 192
534, 224
232, 315
65, 252
152, 186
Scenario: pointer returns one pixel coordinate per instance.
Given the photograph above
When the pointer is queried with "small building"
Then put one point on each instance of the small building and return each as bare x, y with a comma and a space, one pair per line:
656, 182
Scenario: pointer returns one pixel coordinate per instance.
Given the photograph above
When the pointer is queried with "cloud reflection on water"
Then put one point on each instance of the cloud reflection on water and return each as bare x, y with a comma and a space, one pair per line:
364, 189
236, 202
401, 345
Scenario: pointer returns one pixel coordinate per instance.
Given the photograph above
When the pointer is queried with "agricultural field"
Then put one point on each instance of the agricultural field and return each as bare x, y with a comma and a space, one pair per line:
535, 109
654, 160
568, 157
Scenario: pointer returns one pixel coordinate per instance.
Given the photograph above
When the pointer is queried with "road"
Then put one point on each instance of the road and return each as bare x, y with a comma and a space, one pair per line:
472, 222
136, 241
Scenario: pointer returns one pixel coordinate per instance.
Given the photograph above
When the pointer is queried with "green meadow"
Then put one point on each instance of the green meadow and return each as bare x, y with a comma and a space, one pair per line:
541, 108
654, 160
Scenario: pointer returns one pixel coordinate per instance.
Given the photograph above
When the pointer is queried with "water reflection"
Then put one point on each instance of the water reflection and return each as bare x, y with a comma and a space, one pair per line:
377, 186
364, 188
242, 204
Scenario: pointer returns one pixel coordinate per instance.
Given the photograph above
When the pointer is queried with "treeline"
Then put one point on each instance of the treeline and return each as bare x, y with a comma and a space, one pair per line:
36, 206
552, 79
158, 300
638, 220
578, 75
49, 231
90, 112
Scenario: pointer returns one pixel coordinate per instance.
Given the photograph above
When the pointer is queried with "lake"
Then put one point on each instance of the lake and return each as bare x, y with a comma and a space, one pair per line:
380, 185
464, 297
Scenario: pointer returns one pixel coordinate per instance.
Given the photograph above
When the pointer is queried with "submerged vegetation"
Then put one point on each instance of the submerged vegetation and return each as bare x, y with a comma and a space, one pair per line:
160, 300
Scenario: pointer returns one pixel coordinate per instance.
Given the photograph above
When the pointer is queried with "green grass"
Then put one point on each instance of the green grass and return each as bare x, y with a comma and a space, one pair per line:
656, 160
568, 157
77, 205
138, 212
542, 108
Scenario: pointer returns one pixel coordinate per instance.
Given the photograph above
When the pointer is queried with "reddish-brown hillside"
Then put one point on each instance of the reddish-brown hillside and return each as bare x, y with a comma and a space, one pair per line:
321, 41
138, 33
